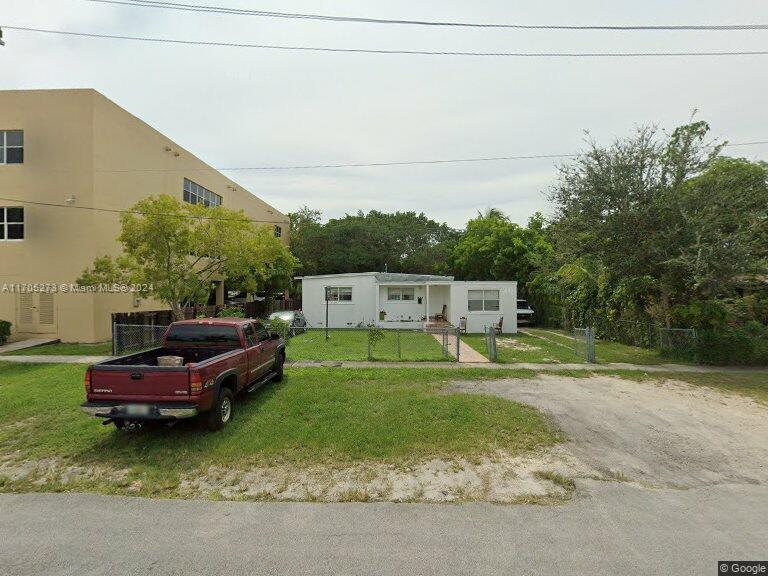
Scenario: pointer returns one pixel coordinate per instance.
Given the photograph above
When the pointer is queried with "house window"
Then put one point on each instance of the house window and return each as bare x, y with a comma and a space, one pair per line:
400, 294
11, 223
11, 146
196, 194
338, 293
483, 301
278, 231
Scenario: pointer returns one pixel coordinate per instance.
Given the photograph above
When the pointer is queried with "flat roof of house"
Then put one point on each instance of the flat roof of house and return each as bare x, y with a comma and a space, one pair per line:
385, 277
398, 278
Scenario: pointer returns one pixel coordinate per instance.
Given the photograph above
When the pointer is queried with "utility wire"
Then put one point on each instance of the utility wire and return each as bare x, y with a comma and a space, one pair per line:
361, 164
118, 211
298, 16
139, 213
403, 52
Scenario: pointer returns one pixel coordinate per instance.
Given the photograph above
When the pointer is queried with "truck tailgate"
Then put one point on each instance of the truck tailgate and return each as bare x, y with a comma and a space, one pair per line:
155, 383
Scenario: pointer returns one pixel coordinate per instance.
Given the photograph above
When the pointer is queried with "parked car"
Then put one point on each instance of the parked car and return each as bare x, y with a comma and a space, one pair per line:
216, 359
525, 313
297, 324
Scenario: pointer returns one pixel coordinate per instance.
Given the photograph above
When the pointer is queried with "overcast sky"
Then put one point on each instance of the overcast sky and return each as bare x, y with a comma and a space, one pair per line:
250, 107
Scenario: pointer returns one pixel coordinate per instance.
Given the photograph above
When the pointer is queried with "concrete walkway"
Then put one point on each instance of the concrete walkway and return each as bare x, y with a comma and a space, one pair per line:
53, 359
467, 354
23, 344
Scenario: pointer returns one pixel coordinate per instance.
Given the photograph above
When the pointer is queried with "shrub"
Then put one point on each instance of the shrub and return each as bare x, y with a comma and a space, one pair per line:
375, 335
745, 345
231, 312
279, 326
5, 331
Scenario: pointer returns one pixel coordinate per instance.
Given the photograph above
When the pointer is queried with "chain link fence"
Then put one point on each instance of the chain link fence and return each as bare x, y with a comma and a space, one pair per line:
372, 343
320, 344
678, 343
673, 343
127, 338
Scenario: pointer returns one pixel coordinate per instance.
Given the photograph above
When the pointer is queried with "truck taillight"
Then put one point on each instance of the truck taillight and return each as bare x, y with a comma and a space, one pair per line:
87, 381
195, 383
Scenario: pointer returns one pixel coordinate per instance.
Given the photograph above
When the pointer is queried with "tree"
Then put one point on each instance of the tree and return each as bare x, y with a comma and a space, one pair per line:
180, 249
307, 241
719, 220
398, 242
665, 220
493, 248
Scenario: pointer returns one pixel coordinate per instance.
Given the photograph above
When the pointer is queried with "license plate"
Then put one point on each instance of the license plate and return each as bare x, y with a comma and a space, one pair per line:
137, 410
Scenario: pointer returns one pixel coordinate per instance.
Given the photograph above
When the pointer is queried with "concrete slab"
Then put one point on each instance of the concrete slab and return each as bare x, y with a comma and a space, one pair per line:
28, 343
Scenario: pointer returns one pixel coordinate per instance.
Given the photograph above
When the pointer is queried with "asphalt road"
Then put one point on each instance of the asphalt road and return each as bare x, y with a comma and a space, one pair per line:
609, 528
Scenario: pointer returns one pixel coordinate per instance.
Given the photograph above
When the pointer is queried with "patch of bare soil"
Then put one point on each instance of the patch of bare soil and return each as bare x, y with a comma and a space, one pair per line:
49, 471
515, 344
502, 479
658, 434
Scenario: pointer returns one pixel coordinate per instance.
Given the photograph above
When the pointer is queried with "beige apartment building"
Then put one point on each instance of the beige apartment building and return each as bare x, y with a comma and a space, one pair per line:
67, 159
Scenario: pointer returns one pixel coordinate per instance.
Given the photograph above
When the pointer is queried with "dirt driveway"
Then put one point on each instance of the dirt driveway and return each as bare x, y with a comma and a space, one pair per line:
667, 434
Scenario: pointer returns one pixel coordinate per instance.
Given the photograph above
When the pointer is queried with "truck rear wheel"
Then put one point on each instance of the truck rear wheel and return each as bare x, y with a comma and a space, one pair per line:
221, 411
278, 367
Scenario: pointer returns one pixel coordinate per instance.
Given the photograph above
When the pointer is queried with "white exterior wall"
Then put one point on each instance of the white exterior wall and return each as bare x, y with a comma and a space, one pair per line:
368, 297
362, 309
478, 321
403, 311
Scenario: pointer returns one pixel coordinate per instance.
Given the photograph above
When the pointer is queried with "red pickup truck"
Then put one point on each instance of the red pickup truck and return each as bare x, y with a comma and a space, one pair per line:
221, 357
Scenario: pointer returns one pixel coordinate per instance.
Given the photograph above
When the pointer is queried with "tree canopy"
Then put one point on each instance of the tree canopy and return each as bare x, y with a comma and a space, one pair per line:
653, 223
180, 249
494, 248
399, 242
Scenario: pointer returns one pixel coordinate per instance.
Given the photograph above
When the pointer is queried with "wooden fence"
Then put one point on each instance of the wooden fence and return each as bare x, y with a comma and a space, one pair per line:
256, 309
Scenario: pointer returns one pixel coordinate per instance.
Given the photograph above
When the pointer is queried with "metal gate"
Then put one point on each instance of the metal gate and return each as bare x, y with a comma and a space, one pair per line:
584, 343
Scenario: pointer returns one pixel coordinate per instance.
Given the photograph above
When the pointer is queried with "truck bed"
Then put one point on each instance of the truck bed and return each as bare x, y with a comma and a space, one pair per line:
149, 357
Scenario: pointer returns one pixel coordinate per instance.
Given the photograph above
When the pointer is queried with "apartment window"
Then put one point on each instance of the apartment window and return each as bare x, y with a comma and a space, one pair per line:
338, 293
483, 301
400, 294
196, 194
11, 146
278, 231
11, 224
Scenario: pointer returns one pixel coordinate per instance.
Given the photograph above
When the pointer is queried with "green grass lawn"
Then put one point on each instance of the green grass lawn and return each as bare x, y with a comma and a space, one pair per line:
545, 346
514, 348
61, 349
353, 345
316, 415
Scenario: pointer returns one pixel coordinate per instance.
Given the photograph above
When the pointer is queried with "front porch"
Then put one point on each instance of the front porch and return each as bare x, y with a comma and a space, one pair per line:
413, 306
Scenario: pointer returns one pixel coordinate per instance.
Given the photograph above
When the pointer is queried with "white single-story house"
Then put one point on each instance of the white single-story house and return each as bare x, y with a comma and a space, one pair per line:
391, 300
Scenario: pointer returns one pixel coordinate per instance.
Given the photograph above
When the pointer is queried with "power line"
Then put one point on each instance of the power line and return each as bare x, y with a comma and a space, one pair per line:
298, 16
140, 213
366, 164
399, 52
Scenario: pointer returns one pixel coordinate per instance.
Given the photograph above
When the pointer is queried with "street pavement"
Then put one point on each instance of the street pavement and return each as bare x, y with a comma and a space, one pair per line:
608, 528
